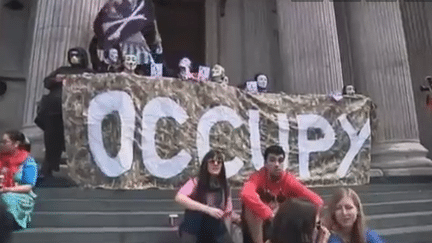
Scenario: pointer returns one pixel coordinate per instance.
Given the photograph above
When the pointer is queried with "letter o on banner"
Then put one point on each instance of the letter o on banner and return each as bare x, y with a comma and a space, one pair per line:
99, 107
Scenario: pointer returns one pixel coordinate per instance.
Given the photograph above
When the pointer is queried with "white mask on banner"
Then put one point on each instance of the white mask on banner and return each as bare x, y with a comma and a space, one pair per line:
262, 81
185, 65
75, 60
350, 90
217, 71
113, 55
130, 62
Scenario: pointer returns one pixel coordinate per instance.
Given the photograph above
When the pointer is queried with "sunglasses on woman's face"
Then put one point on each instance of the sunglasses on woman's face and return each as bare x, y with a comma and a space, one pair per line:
215, 162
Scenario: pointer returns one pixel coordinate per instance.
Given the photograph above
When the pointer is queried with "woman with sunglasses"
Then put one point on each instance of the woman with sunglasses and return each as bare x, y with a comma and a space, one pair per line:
297, 221
18, 174
345, 219
208, 203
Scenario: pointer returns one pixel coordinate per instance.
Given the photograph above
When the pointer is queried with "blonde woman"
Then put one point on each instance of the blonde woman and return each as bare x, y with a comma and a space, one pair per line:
345, 219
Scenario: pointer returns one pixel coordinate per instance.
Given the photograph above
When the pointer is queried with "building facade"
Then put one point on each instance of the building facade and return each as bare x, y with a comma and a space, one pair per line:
383, 48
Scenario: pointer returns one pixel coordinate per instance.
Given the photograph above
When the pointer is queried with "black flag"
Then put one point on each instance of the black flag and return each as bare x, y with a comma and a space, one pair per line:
117, 22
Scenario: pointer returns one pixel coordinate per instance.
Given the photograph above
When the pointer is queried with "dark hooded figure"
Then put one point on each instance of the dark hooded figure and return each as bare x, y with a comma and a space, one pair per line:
49, 115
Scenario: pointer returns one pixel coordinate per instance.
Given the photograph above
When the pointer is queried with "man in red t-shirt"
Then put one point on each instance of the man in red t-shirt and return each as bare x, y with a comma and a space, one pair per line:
265, 189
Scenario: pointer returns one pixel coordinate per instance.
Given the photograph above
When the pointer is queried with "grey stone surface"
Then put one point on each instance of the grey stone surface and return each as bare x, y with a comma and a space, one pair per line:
59, 26
417, 23
309, 47
394, 211
381, 71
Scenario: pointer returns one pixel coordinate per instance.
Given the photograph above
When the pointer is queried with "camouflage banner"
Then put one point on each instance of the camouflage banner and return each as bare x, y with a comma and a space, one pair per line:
134, 132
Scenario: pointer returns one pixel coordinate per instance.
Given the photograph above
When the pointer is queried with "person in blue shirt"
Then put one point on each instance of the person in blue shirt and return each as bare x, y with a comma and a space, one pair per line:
346, 221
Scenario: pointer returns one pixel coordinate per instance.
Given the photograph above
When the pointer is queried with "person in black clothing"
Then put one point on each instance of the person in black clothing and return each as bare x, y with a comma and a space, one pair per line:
49, 115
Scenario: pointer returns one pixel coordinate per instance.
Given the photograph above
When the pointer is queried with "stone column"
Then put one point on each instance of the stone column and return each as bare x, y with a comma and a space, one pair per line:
230, 40
309, 47
418, 31
381, 71
260, 46
59, 26
212, 16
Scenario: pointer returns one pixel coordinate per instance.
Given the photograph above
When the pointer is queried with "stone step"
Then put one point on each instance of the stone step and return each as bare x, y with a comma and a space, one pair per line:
79, 205
80, 193
398, 207
98, 235
398, 220
422, 234
400, 212
161, 219
142, 196
417, 234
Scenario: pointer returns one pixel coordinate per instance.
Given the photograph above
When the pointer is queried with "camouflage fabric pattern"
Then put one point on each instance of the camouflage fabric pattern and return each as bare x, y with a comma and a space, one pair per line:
196, 99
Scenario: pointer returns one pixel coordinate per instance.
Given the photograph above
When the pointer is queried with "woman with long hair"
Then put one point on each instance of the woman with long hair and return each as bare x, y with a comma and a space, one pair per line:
18, 176
208, 203
346, 220
297, 221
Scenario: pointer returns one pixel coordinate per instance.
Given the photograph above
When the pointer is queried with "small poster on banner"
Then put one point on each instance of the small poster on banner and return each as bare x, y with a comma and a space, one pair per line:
156, 70
252, 87
337, 96
203, 73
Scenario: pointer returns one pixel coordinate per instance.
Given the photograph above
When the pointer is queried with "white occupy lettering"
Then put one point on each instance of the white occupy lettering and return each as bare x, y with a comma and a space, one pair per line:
284, 135
108, 102
257, 156
156, 109
207, 121
306, 146
357, 140
99, 107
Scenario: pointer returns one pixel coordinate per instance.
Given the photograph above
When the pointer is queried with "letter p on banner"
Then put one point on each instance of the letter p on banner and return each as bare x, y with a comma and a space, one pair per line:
307, 146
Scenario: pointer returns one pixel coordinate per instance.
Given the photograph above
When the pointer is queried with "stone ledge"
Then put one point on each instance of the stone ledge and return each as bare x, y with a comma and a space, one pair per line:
403, 163
400, 158
413, 171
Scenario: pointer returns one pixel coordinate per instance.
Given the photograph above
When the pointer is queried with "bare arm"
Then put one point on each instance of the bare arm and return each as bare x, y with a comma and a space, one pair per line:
191, 204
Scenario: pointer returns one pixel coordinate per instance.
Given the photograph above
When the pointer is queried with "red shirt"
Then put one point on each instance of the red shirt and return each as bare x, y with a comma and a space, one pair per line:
288, 185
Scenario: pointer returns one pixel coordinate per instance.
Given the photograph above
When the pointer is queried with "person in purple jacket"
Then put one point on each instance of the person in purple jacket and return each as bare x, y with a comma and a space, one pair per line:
345, 219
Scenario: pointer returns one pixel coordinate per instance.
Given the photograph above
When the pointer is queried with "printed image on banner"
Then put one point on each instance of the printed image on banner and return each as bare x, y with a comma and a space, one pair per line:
133, 132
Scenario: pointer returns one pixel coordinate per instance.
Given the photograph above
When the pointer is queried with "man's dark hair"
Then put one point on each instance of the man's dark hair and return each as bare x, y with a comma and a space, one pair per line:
274, 149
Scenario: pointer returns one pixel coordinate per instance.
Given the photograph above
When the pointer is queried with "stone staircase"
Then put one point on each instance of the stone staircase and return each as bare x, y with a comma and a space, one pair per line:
399, 212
